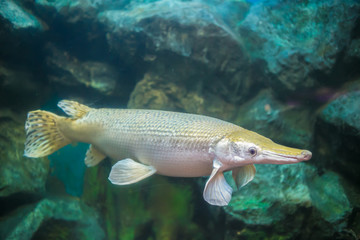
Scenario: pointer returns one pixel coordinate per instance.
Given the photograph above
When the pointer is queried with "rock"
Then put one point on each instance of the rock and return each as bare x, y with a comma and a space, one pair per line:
154, 92
287, 198
29, 222
353, 50
231, 12
344, 111
157, 92
286, 124
20, 39
18, 173
297, 39
71, 11
279, 189
18, 17
17, 86
74, 11
329, 198
150, 35
70, 71
338, 133
188, 14
189, 35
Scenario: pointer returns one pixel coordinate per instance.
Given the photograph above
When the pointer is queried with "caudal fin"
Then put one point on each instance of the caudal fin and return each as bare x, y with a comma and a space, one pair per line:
43, 135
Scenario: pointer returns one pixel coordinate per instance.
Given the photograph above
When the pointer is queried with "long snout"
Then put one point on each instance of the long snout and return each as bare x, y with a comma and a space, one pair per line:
279, 154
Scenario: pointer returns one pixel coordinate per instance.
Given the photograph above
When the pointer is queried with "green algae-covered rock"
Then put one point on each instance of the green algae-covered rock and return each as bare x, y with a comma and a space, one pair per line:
18, 17
18, 173
295, 39
159, 92
155, 93
275, 189
287, 125
285, 198
26, 223
353, 50
344, 111
338, 135
71, 11
329, 198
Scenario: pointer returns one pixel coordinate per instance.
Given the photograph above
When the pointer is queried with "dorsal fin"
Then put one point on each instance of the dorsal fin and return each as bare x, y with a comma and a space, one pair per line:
73, 109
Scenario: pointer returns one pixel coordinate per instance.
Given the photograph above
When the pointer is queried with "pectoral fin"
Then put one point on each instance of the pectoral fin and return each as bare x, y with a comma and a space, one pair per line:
243, 175
217, 191
93, 156
128, 171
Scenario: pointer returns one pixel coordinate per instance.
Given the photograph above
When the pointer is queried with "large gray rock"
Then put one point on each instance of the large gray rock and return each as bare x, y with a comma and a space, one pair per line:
153, 19
27, 221
296, 39
70, 71
149, 35
191, 36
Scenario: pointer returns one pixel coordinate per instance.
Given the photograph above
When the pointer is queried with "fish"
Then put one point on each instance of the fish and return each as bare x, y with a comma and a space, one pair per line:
146, 142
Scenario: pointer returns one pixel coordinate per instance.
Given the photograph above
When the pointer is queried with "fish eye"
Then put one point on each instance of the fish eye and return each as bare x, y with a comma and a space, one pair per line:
252, 151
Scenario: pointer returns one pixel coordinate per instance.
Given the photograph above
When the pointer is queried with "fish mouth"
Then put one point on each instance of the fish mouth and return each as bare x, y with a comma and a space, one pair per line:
286, 157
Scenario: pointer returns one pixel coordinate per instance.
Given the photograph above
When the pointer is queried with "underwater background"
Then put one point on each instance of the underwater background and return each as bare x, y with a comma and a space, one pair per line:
289, 70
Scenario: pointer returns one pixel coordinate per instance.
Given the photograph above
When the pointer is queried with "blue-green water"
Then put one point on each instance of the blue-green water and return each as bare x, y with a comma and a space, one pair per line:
288, 70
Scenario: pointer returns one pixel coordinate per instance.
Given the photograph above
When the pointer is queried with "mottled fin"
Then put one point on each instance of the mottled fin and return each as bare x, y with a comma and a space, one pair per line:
43, 136
243, 175
93, 156
73, 109
217, 191
128, 171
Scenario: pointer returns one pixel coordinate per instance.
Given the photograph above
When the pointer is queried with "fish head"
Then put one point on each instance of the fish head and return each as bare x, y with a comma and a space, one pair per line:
245, 147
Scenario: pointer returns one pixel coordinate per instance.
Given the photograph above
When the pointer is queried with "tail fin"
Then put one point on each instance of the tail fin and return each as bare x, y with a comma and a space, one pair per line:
43, 136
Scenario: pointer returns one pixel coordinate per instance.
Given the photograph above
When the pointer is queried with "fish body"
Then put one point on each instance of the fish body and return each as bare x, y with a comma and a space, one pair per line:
145, 142
176, 144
